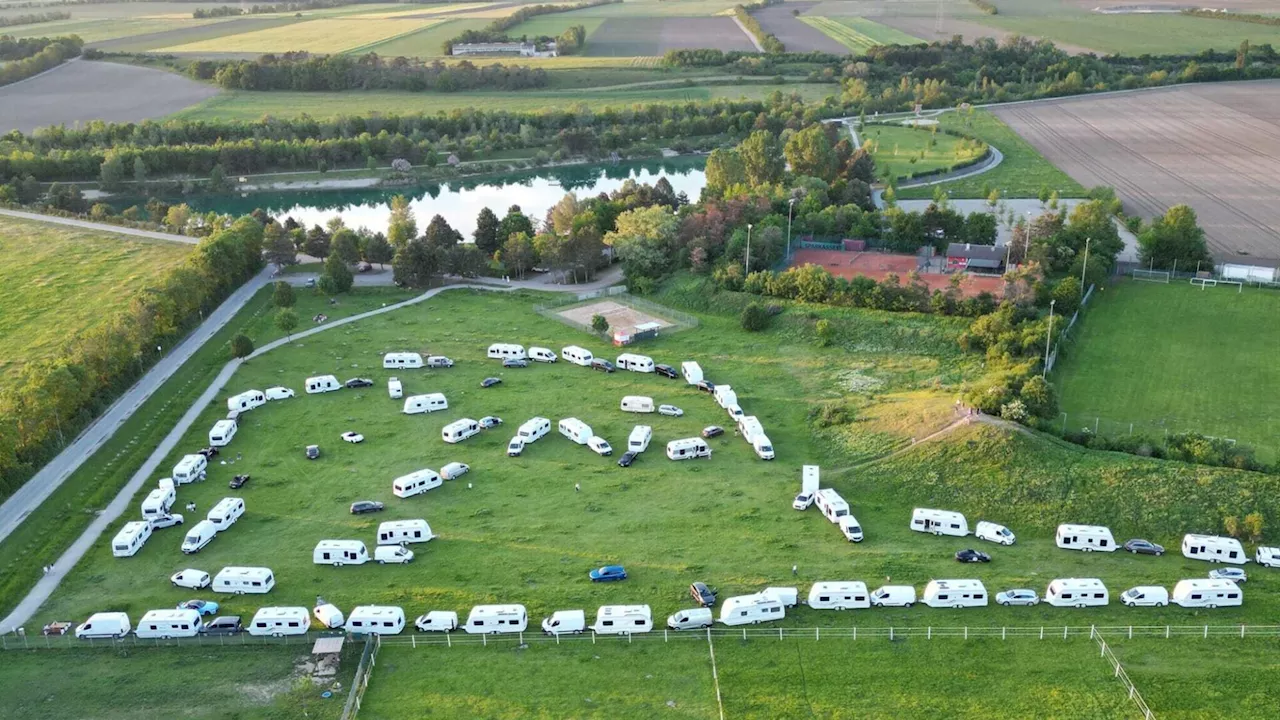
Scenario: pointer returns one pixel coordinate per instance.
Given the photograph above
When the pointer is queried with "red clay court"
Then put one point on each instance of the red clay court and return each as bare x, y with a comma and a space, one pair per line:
877, 265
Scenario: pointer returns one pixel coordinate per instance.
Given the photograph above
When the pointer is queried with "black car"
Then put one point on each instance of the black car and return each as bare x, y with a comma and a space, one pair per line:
602, 365
711, 431
313, 452
703, 595
515, 363
972, 556
666, 371
209, 452
626, 459
366, 506
1139, 546
359, 383
225, 625
705, 386
490, 382
238, 481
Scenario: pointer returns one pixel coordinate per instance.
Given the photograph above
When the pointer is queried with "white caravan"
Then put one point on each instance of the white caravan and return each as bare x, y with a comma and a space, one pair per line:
492, 619
104, 625
751, 609
1267, 556
322, 384
533, 428
830, 504
577, 355
431, 402
788, 596
222, 432
1077, 592
939, 522
399, 532
725, 396
280, 621
340, 552
158, 502
635, 363
241, 580
416, 483
565, 622
131, 538
640, 437
637, 404
397, 360
994, 532
1207, 593
459, 430
189, 469
1214, 549
1085, 537
623, 620
809, 476
750, 427
247, 400
165, 624
395, 390
541, 354
576, 430
839, 596
506, 351
894, 596
1145, 596
328, 615
376, 620
688, 449
850, 528
692, 372
226, 513
200, 534
763, 446
955, 594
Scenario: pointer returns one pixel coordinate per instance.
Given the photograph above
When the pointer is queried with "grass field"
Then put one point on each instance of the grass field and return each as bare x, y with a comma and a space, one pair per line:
426, 10
326, 35
1210, 373
1137, 34
427, 42
859, 34
554, 25
903, 151
1213, 679
106, 29
47, 265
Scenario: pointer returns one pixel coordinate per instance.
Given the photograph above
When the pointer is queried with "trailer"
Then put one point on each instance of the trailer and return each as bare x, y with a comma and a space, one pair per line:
635, 363
506, 351
399, 532
575, 430
623, 620
751, 609
851, 595
939, 522
222, 432
340, 552
245, 401
1087, 538
416, 483
459, 430
577, 355
131, 538
1207, 593
431, 402
493, 619
692, 372
1077, 592
1214, 548
241, 580
322, 384
280, 621
955, 594
401, 360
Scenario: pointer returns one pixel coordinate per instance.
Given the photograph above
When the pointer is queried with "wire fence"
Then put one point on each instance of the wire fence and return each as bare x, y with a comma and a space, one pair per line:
361, 680
557, 310
1053, 356
1123, 676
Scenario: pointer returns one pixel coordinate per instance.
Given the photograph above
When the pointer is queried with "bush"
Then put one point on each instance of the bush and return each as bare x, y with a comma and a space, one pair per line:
755, 318
283, 295
599, 324
241, 346
831, 413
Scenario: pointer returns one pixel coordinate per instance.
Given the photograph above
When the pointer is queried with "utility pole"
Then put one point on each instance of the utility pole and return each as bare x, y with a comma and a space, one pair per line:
791, 204
1047, 339
1086, 264
746, 264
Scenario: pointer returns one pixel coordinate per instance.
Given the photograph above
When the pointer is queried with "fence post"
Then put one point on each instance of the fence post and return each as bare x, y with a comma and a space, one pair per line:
929, 633
1041, 632
484, 639
1242, 630
779, 633
1130, 632
1206, 631
448, 641
966, 632
890, 633
744, 633
855, 632
665, 637
817, 633
1003, 631
1064, 632
1166, 632
593, 637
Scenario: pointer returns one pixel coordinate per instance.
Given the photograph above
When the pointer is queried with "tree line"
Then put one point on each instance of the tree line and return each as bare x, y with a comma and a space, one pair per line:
24, 58
33, 18
496, 31
767, 40
284, 7
301, 71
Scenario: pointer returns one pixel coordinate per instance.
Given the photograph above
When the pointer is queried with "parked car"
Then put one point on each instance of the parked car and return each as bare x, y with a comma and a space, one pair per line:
239, 481
311, 282
711, 431
1138, 546
366, 506
1017, 597
359, 383
1229, 573
454, 470
353, 437
666, 371
972, 556
313, 452
190, 578
209, 452
205, 607
225, 625
703, 595
515, 363
490, 382
608, 573
670, 410
705, 386
515, 447
57, 628
165, 521
627, 458
489, 421
602, 365
803, 501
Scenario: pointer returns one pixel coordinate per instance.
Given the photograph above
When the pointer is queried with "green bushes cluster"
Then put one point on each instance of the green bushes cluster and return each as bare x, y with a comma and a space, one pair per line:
301, 71
985, 7
767, 40
33, 18
20, 59
496, 31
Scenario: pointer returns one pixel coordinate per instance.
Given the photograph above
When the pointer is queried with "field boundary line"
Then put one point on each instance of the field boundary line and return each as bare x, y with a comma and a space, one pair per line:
715, 674
1121, 675
360, 683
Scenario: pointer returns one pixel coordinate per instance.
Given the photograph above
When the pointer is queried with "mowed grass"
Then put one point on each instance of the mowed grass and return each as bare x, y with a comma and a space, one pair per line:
903, 151
60, 281
1204, 679
326, 35
1139, 33
1212, 371
425, 10
859, 34
429, 41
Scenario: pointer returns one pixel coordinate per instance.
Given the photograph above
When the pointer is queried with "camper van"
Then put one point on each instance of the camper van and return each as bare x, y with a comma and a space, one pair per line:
247, 400
322, 384
1145, 596
1207, 593
751, 609
623, 620
640, 437
395, 390
198, 536
165, 624
577, 355
939, 522
763, 446
533, 428
565, 622
222, 432
340, 552
459, 430
830, 504
725, 396
839, 596
1085, 537
415, 404
439, 362
994, 532
490, 619
1076, 592
279, 621
506, 351
226, 513
189, 469
691, 619
541, 354
955, 594
157, 503
131, 538
692, 372
637, 404
850, 528
416, 483
399, 532
376, 620
635, 363
104, 625
1214, 549
1267, 556
576, 430
688, 449
241, 580
398, 360
894, 596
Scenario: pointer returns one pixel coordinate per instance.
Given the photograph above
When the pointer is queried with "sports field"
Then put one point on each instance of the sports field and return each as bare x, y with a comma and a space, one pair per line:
1177, 357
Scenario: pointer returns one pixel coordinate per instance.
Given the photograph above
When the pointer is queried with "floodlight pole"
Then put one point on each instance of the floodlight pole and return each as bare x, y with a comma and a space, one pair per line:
1086, 264
791, 204
746, 262
1047, 339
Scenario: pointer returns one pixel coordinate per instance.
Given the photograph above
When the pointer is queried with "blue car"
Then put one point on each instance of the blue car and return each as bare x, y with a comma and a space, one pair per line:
206, 607
608, 573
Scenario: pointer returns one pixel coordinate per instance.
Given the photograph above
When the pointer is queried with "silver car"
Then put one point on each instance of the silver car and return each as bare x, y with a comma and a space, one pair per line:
1018, 597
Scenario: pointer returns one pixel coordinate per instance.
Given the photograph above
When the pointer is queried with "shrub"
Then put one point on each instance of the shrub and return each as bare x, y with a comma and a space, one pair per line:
599, 324
241, 346
755, 318
283, 295
831, 413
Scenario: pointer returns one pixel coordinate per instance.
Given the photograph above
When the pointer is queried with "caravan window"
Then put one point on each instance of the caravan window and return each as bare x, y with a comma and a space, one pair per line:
388, 624
1102, 542
823, 598
1195, 596
639, 622
293, 623
955, 526
942, 597
1194, 549
775, 609
1066, 596
607, 623
1232, 555
1098, 595
479, 623
1232, 596
978, 596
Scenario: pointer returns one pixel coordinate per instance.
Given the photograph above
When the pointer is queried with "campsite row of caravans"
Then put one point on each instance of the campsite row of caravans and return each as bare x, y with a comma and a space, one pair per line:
156, 506
571, 353
726, 397
393, 536
412, 360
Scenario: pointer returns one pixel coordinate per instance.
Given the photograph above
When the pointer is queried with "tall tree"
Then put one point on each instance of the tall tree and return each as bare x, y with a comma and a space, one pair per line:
378, 250
337, 277
317, 243
644, 241
810, 153
139, 173
1174, 240
279, 246
561, 215
345, 245
286, 321
761, 159
282, 294
724, 169
440, 236
111, 174
403, 227
414, 264
515, 222
486, 234
517, 254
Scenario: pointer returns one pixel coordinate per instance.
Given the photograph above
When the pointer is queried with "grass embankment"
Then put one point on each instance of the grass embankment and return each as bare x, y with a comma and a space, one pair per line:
902, 152
859, 34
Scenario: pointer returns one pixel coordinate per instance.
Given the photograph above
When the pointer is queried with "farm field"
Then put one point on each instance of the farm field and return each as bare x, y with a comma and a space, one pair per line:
796, 35
903, 151
325, 35
859, 34
1124, 365
98, 30
428, 41
642, 36
1137, 33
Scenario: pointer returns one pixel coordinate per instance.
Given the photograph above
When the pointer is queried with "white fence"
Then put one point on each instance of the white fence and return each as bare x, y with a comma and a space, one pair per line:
1123, 676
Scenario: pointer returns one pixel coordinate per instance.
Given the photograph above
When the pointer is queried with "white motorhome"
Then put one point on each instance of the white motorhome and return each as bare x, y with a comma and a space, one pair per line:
1145, 596
1085, 537
692, 372
839, 596
635, 363
541, 354
640, 437
222, 432
489, 619
955, 594
894, 596
397, 360
376, 620
577, 355
158, 502
431, 402
851, 528
1214, 549
247, 400
241, 580
198, 536
576, 430
399, 532
280, 621
623, 620
189, 469
1267, 556
939, 522
165, 624
506, 351
751, 609
459, 430
830, 504
763, 446
565, 622
1077, 592
1207, 593
322, 384
104, 625
131, 538
637, 404
340, 552
688, 449
395, 390
725, 396
226, 513
416, 483
994, 532
533, 428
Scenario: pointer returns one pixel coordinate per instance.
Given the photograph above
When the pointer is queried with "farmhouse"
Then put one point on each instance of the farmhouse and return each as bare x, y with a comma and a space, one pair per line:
974, 258
523, 49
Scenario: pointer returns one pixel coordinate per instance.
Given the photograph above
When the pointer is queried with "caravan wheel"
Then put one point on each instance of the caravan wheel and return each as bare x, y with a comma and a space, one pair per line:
382, 562
907, 605
336, 563
1162, 604
1088, 549
1213, 606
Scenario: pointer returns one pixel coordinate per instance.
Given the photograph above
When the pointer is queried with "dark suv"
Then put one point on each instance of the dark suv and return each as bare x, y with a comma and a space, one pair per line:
225, 625
602, 365
703, 595
366, 506
666, 371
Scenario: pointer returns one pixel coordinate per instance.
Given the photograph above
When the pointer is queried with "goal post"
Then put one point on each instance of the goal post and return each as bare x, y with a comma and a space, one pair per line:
1160, 276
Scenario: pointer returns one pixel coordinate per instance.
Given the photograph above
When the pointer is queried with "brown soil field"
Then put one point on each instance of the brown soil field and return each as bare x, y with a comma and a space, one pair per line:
81, 90
180, 36
797, 36
876, 266
630, 37
620, 316
1215, 147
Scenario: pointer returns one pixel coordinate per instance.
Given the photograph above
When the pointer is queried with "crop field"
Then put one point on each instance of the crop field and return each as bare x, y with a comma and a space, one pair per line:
1210, 375
904, 151
860, 34
93, 31
796, 35
326, 35
1137, 33
426, 10
429, 41
633, 36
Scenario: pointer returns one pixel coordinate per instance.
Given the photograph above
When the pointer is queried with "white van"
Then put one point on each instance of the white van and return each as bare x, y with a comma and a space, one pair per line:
577, 355
599, 445
189, 469
398, 532
437, 621
1145, 596
439, 362
725, 396
322, 384
830, 504
994, 532
104, 625
340, 552
637, 404
491, 619
1267, 556
638, 442
688, 449
222, 432
241, 580
398, 554
839, 596
376, 620
1214, 549
635, 363
280, 621
131, 538
226, 513
735, 412
692, 372
894, 596
565, 622
763, 446
198, 536
751, 609
397, 360
431, 402
459, 430
939, 522
394, 389
247, 400
955, 594
623, 620
1207, 593
576, 430
691, 619
416, 483
1085, 537
1077, 592
158, 502
533, 428
506, 351
165, 624
850, 528
541, 354
278, 393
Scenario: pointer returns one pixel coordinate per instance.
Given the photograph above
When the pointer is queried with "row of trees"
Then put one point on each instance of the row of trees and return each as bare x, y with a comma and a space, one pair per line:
33, 18
284, 7
767, 40
303, 72
20, 59
496, 31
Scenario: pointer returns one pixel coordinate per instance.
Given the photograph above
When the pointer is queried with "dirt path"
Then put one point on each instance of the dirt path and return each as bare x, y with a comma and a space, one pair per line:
101, 227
